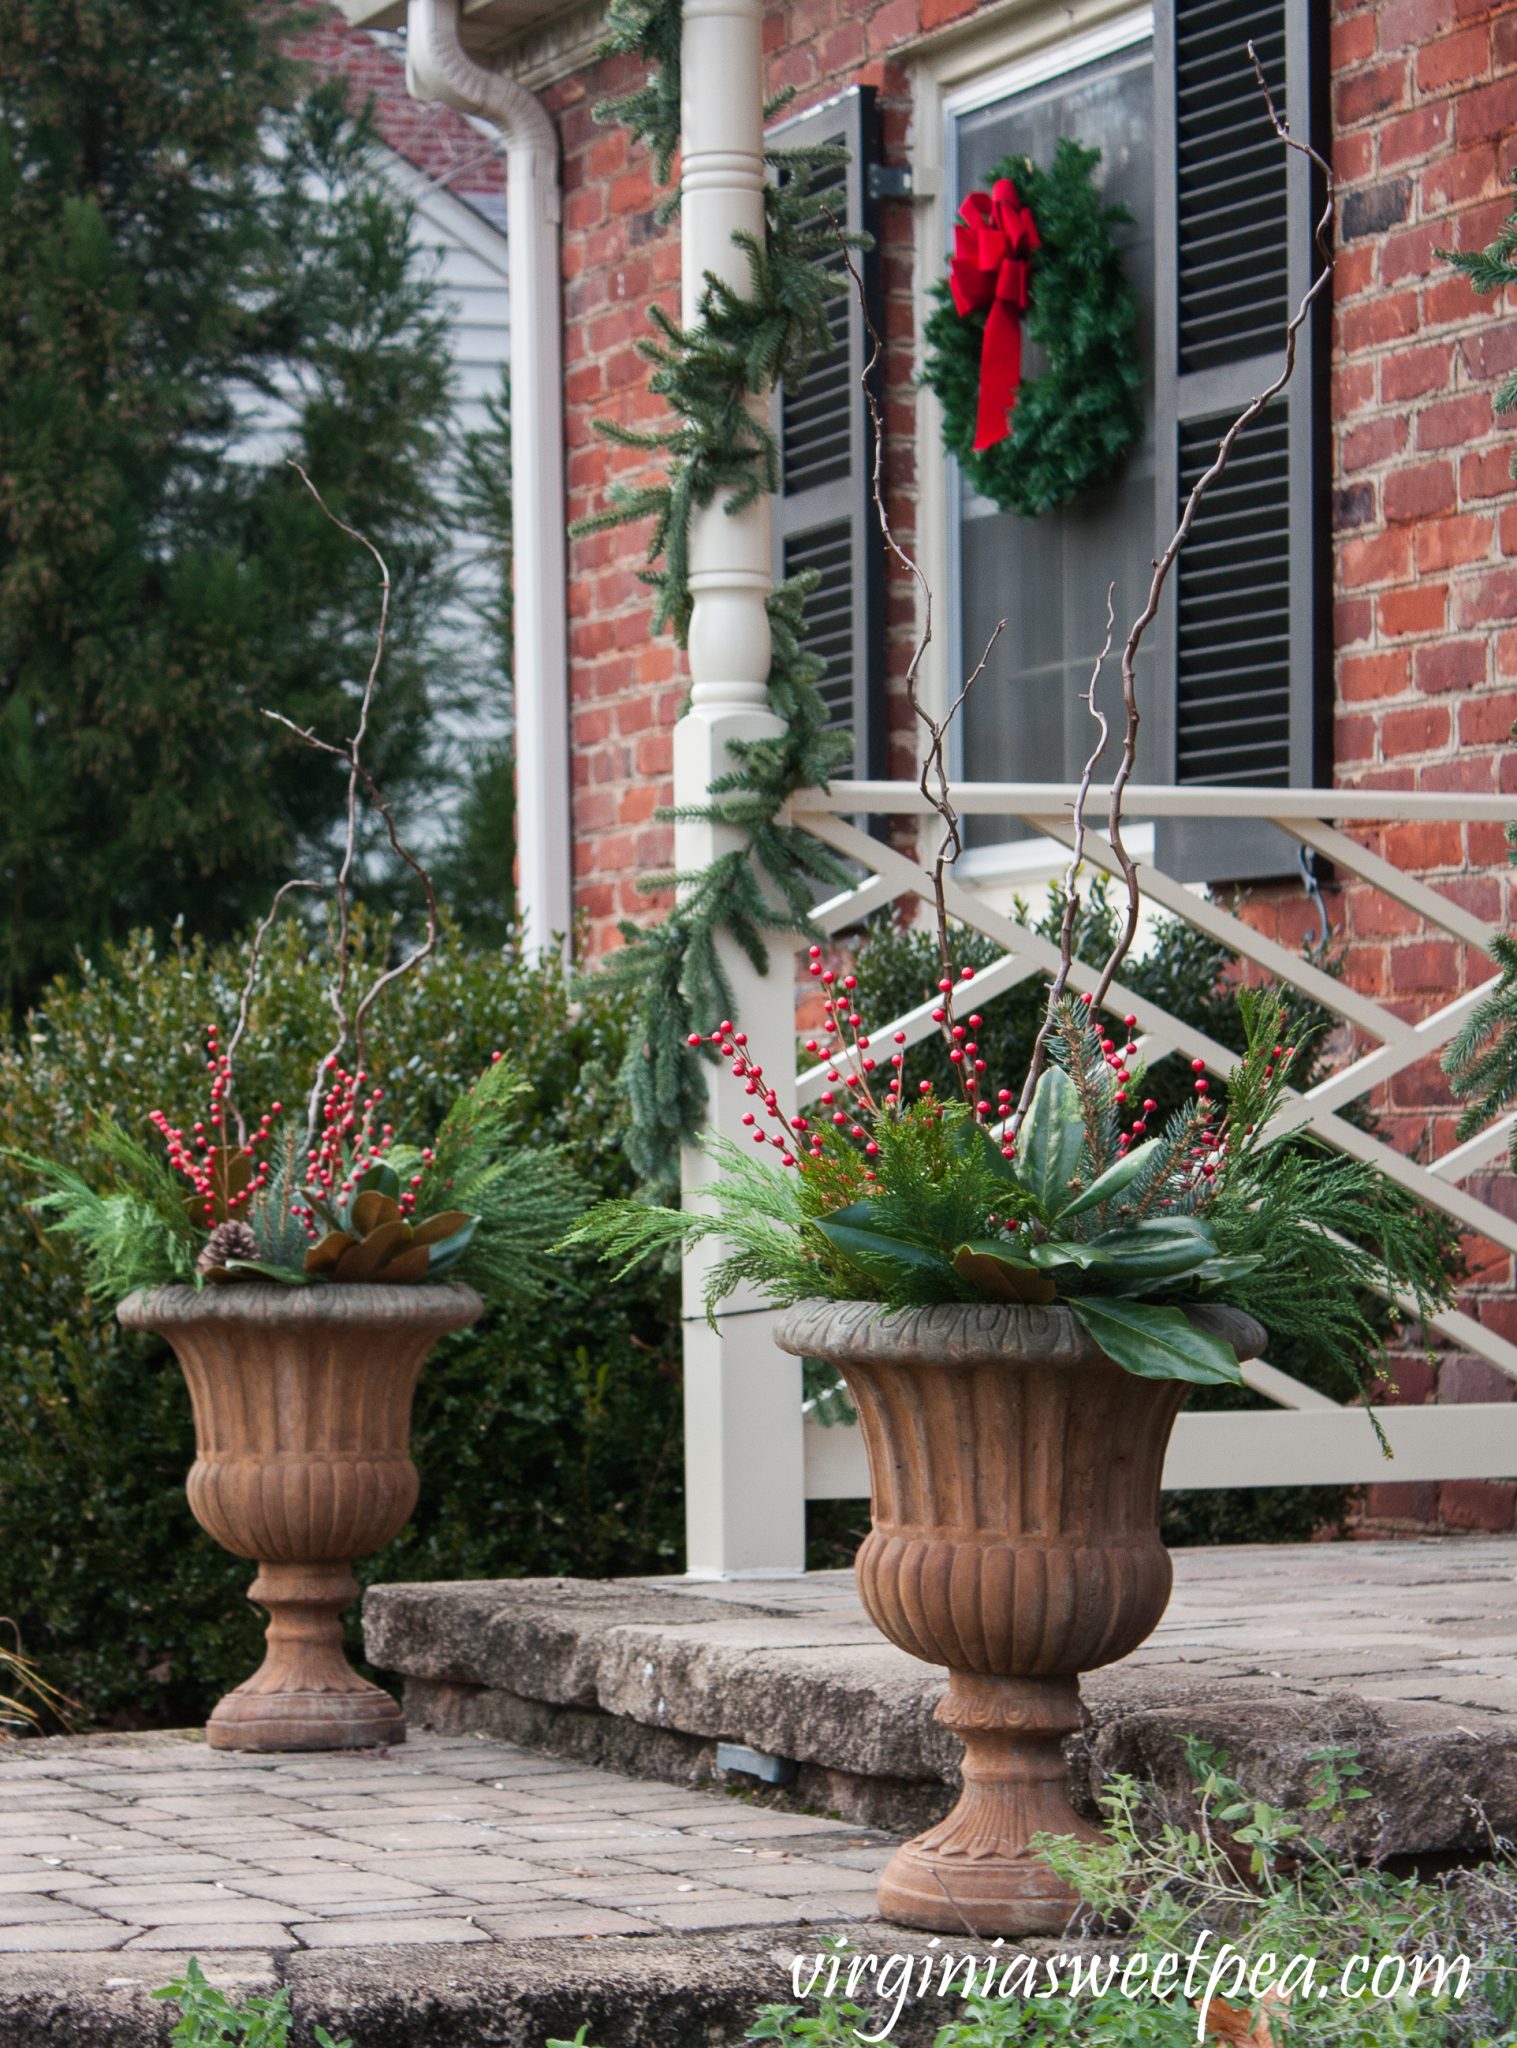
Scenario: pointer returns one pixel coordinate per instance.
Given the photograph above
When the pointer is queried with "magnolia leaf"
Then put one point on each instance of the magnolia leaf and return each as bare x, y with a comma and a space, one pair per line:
1154, 1252
410, 1264
373, 1210
287, 1276
445, 1224
1221, 1272
382, 1178
1106, 1186
1050, 1141
988, 1265
887, 1261
1157, 1343
322, 1257
447, 1251
362, 1261
1065, 1251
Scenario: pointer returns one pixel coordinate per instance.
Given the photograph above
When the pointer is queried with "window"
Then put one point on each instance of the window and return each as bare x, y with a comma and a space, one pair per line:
1233, 682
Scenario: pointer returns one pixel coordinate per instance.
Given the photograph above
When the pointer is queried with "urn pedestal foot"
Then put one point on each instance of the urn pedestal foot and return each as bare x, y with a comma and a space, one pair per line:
305, 1694
975, 1873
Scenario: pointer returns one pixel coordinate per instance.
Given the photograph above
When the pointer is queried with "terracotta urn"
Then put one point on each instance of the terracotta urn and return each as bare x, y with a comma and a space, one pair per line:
1015, 1478
302, 1400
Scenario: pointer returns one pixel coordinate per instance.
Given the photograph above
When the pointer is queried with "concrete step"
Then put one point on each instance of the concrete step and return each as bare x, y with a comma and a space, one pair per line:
1406, 1652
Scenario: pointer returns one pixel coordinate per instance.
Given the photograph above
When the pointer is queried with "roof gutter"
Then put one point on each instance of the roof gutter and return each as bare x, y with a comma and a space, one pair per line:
438, 68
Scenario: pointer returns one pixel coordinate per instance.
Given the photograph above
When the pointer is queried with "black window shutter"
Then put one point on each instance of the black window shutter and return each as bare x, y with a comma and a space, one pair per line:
1244, 635
824, 516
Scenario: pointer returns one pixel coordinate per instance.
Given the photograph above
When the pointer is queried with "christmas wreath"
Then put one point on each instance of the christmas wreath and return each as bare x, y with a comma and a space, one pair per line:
1036, 253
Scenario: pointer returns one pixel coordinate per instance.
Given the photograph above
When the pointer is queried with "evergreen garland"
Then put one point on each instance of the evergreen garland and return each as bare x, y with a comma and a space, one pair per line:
718, 450
1074, 424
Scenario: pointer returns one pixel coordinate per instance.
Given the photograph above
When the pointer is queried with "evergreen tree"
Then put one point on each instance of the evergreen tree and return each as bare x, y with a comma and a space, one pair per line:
200, 272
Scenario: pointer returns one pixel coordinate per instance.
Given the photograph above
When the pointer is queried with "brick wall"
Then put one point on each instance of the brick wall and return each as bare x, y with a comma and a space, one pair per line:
439, 142
1425, 557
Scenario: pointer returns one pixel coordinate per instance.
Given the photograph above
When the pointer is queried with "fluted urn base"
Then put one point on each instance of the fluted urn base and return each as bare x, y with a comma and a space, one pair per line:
305, 1694
1015, 1473
302, 1400
976, 1872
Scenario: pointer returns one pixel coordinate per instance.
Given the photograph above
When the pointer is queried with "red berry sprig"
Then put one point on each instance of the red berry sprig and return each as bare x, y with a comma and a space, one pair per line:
204, 1157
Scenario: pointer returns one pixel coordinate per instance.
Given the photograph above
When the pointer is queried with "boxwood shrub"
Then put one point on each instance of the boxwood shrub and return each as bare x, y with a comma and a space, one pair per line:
543, 1449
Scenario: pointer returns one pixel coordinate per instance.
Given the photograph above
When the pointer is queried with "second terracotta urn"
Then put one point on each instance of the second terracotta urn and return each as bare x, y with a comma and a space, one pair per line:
1015, 1475
302, 1400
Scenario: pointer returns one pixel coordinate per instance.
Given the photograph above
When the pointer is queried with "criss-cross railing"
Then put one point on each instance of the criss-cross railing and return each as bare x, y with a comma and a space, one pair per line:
1304, 1437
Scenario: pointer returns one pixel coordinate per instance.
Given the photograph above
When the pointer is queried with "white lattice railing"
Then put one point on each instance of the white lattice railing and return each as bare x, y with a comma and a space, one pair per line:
1305, 1438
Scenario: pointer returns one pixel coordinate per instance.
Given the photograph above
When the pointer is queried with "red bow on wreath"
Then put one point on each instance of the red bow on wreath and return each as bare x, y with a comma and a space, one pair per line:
992, 241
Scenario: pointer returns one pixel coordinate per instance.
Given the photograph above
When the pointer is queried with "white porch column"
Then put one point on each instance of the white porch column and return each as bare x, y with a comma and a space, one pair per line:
744, 1468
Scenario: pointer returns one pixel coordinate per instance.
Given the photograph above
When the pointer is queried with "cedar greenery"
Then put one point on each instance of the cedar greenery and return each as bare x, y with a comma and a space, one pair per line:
909, 1201
1074, 425
717, 451
505, 1204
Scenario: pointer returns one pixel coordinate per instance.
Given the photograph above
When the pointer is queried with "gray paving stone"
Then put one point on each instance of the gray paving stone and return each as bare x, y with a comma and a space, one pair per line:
41, 1937
192, 1937
560, 1920
381, 1933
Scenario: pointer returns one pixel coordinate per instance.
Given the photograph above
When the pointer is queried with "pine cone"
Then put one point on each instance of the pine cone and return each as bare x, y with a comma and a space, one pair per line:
226, 1241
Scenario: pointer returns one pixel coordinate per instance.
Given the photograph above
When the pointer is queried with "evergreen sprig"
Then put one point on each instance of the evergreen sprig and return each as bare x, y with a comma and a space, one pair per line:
1075, 423
718, 448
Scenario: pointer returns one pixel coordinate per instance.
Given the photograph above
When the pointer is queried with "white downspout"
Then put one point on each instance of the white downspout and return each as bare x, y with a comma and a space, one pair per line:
438, 68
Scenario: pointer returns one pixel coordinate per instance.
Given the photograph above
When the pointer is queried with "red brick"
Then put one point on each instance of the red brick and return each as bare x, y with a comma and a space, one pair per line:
1389, 317
1406, 24
1372, 442
1353, 40
1491, 596
1402, 1501
1474, 1379
1488, 1504
1353, 619
1421, 731
1422, 844
1412, 135
1353, 156
1384, 557
1450, 665
1421, 610
1369, 92
1446, 542
1363, 677
1410, 252
1419, 490
1412, 373
1487, 473
1454, 59
1452, 421
1457, 177
1488, 110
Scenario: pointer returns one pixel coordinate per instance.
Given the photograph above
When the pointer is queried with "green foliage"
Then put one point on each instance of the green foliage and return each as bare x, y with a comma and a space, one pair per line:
185, 228
1481, 1062
717, 450
207, 2018
1073, 425
1172, 1887
547, 1442
907, 1200
652, 29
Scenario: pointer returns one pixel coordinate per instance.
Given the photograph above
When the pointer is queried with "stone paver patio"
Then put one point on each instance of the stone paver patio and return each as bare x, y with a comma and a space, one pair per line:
466, 1888
156, 1842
